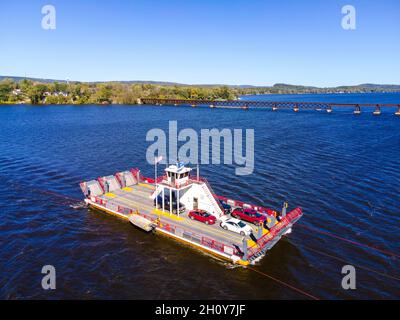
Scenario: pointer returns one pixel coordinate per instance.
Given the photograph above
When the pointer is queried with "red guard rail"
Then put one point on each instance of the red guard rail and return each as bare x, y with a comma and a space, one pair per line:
257, 247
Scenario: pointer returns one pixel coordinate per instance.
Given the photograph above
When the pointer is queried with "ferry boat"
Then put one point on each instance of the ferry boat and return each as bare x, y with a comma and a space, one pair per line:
184, 207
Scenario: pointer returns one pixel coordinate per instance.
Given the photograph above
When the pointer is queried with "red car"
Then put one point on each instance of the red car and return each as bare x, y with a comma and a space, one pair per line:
249, 215
203, 216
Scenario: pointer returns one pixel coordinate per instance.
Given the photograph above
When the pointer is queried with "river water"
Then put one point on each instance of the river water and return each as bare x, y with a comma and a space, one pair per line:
343, 170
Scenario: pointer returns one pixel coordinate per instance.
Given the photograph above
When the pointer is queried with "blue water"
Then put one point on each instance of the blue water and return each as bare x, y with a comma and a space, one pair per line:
343, 170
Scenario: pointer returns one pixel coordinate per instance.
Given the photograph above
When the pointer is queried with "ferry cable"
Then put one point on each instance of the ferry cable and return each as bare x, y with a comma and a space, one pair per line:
386, 252
347, 262
284, 284
59, 195
17, 186
298, 290
306, 247
56, 194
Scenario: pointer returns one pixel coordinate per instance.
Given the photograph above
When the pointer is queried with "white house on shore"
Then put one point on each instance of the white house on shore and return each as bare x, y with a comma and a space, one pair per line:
55, 94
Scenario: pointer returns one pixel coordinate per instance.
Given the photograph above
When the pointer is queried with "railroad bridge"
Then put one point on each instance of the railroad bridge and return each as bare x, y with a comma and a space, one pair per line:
274, 106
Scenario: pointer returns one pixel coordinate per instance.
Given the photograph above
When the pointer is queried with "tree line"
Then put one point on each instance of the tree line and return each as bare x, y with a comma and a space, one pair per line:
38, 92
28, 91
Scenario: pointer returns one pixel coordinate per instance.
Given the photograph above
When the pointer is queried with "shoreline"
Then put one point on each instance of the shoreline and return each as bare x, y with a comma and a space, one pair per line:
241, 98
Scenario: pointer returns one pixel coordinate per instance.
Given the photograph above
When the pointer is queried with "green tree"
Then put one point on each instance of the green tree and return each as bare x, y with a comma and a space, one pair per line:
103, 94
36, 92
6, 87
25, 85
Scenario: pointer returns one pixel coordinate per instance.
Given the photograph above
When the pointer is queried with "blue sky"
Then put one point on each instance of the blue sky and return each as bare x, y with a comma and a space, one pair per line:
208, 41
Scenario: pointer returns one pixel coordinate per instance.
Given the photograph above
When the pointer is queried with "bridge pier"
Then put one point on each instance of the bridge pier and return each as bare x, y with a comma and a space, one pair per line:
377, 110
235, 104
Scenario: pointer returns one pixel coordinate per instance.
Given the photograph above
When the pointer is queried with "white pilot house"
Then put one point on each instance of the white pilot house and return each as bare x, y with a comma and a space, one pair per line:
177, 192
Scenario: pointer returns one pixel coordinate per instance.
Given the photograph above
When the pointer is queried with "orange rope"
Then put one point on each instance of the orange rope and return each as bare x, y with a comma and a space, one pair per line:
349, 262
285, 284
350, 241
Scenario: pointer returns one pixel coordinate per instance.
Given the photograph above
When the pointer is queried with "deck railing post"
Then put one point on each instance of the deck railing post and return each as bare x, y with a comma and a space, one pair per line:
259, 231
138, 176
284, 208
170, 200
163, 197
244, 241
177, 201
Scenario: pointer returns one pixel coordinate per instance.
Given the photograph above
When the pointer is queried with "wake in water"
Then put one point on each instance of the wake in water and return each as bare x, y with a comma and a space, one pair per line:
78, 205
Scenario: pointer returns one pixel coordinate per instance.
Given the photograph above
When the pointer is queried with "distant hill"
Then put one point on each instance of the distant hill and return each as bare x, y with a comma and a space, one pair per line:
381, 86
278, 86
369, 86
33, 79
161, 83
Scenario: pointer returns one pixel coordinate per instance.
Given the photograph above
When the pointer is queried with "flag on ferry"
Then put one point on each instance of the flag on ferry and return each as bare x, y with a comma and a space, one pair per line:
180, 165
157, 159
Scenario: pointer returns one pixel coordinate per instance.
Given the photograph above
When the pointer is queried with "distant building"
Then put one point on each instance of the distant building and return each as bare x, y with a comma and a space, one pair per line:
61, 93
55, 94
